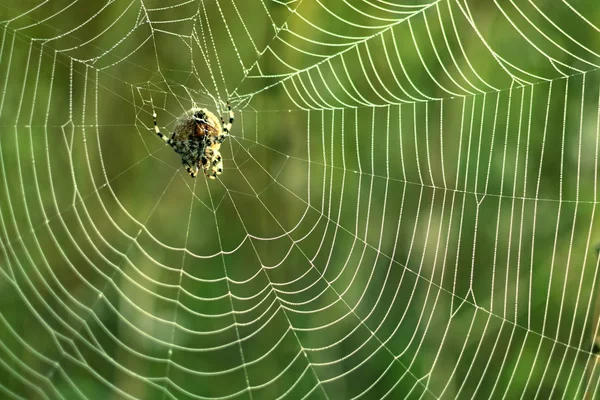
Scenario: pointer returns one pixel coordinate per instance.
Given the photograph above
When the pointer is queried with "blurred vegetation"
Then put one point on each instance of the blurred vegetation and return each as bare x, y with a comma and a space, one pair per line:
413, 216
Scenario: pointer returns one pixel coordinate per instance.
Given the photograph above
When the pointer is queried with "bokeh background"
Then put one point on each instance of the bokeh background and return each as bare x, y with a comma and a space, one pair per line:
408, 208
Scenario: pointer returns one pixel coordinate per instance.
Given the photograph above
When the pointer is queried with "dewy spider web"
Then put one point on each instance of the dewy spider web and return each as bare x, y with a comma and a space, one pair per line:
408, 207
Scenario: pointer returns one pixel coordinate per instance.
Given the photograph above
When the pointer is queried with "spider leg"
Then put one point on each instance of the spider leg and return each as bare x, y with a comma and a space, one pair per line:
227, 126
217, 168
190, 170
160, 134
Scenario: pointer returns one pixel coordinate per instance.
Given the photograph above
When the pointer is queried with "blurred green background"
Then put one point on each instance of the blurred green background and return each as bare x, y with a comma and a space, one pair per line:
408, 208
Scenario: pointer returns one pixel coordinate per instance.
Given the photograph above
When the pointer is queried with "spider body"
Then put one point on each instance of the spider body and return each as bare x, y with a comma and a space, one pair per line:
197, 138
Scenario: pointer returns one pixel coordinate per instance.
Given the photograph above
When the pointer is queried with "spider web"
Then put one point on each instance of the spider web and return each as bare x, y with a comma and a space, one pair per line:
407, 208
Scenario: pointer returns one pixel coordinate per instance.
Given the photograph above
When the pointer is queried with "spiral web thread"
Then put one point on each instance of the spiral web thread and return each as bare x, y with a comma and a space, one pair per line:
407, 208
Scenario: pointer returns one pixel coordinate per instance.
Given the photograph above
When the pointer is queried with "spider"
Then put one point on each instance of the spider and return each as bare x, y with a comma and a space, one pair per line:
197, 137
